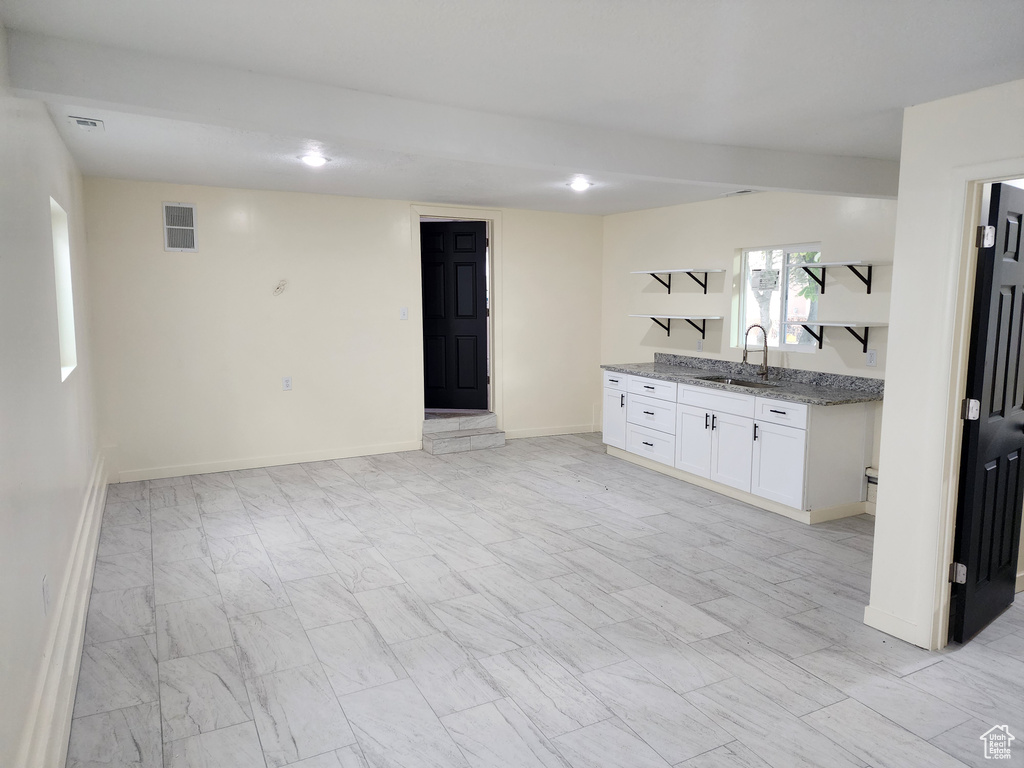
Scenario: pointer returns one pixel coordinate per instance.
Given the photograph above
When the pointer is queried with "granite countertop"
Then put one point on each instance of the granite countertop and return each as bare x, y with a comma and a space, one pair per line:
794, 386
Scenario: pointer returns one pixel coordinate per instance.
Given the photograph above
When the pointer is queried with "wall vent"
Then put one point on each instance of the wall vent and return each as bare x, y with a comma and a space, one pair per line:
179, 227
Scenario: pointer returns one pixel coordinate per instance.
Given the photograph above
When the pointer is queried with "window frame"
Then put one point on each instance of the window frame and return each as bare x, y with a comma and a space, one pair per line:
784, 297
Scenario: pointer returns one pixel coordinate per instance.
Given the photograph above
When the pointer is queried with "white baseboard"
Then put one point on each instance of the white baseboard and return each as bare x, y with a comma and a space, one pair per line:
1020, 582
897, 627
800, 515
44, 740
513, 434
256, 462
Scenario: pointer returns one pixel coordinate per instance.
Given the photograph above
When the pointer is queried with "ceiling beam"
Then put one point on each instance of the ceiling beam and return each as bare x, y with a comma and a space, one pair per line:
53, 69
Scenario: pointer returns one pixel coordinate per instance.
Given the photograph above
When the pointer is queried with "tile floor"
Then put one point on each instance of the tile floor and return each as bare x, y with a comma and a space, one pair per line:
536, 605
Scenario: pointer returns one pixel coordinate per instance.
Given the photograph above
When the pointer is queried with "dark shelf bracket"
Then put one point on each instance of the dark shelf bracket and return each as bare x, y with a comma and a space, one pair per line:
820, 280
666, 283
819, 336
702, 328
667, 325
866, 279
693, 276
862, 339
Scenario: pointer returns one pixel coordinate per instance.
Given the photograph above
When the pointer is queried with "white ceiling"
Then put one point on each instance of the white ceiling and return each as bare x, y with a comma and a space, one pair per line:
494, 102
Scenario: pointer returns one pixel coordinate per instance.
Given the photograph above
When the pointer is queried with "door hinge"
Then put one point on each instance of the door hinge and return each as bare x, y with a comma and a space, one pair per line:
957, 573
970, 410
986, 237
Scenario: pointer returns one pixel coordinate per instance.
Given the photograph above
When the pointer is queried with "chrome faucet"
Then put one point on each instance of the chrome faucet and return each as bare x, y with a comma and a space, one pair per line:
764, 359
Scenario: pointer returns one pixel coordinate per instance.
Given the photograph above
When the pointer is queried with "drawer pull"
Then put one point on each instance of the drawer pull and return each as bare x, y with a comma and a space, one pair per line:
707, 420
714, 419
648, 386
648, 413
772, 410
755, 433
646, 443
614, 381
622, 401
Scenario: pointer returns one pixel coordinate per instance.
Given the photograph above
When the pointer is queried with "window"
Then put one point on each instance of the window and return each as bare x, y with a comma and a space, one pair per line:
62, 278
775, 289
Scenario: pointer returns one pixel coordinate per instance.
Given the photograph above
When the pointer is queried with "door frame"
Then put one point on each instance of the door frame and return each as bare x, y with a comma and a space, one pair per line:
973, 180
492, 217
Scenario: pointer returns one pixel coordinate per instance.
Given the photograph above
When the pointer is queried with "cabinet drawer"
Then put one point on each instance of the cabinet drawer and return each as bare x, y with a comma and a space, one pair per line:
781, 412
650, 443
614, 380
663, 390
716, 400
648, 412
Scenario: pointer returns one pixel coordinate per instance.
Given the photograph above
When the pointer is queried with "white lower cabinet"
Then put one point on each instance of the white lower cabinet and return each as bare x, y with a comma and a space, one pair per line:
693, 440
657, 446
732, 445
779, 458
613, 417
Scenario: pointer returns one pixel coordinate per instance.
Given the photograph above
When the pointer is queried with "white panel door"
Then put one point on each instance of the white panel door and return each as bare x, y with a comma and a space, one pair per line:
693, 440
732, 445
614, 418
778, 466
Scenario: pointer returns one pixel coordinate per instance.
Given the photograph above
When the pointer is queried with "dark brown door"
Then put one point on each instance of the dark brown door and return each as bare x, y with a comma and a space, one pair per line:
453, 256
991, 469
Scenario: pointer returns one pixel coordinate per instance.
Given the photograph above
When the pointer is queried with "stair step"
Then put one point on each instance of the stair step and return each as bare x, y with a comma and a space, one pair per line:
454, 421
457, 441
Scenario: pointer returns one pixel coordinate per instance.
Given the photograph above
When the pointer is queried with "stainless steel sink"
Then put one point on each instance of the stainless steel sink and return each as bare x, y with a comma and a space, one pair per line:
739, 382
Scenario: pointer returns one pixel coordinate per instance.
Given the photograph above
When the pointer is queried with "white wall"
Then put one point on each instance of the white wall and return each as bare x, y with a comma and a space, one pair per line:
5, 82
946, 144
712, 234
193, 346
47, 444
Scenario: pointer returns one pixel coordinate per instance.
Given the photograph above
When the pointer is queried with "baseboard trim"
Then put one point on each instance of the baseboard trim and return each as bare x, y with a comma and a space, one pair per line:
256, 462
514, 434
897, 627
1020, 582
45, 736
800, 515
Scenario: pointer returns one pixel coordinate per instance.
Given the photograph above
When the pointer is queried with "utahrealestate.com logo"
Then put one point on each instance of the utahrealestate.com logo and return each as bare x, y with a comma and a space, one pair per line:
997, 742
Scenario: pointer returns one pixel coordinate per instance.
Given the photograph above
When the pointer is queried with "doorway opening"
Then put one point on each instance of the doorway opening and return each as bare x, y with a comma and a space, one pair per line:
455, 256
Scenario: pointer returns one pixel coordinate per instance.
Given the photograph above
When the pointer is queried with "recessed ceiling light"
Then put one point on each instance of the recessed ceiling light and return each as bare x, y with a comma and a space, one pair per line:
579, 184
314, 160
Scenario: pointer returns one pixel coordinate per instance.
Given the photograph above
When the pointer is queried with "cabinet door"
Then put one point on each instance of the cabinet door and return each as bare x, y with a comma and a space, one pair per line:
693, 440
732, 444
778, 467
614, 418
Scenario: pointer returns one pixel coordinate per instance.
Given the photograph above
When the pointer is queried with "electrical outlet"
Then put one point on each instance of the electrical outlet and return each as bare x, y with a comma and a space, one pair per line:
403, 313
700, 345
872, 358
46, 596
286, 383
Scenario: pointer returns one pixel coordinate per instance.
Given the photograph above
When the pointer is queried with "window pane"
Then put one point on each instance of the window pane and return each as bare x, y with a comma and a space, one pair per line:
762, 300
801, 296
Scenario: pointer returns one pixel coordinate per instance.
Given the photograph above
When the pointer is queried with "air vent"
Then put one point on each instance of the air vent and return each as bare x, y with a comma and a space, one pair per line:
179, 227
86, 123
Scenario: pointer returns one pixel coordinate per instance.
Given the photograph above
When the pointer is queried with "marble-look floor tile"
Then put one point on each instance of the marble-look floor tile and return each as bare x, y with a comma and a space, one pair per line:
281, 529
271, 641
119, 614
481, 627
675, 580
164, 496
461, 552
190, 627
608, 744
300, 560
184, 544
576, 646
297, 715
237, 553
781, 635
355, 656
202, 693
218, 500
776, 736
251, 590
115, 675
876, 740
600, 570
587, 602
322, 600
964, 743
529, 560
396, 728
687, 622
397, 545
176, 519
776, 599
506, 589
661, 653
364, 569
184, 580
224, 525
121, 539
237, 746
449, 678
259, 506
123, 738
398, 613
126, 512
116, 572
732, 755
671, 725
350, 757
500, 735
553, 699
211, 481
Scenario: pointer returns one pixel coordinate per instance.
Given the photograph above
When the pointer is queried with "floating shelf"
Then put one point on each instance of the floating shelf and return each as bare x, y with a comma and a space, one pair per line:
853, 266
849, 326
656, 274
691, 319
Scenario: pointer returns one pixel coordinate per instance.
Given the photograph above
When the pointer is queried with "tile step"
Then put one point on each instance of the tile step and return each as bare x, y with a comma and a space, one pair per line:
455, 421
457, 441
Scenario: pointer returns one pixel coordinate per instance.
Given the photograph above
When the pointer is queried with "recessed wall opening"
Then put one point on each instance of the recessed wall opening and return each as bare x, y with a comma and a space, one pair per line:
62, 280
